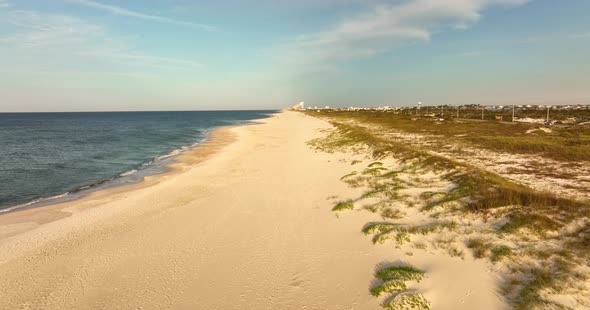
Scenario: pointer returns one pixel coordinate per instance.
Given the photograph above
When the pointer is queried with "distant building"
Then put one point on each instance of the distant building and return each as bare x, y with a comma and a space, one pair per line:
299, 106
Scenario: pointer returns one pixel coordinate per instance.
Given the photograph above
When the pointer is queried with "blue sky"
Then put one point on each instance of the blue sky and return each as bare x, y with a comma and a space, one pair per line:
104, 55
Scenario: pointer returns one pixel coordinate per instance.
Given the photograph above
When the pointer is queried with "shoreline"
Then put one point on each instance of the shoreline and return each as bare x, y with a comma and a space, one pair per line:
216, 139
250, 227
167, 160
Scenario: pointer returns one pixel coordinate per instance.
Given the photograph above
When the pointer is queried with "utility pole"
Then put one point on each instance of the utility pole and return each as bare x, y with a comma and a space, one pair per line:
512, 113
442, 111
482, 108
457, 111
548, 113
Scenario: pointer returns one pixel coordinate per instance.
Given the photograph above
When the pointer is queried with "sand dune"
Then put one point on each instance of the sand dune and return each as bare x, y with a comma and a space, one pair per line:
241, 223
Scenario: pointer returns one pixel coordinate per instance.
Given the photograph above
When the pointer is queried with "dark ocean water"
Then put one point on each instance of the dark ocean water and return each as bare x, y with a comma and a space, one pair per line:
44, 155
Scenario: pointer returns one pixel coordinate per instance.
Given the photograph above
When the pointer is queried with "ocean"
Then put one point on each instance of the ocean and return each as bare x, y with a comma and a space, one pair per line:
52, 157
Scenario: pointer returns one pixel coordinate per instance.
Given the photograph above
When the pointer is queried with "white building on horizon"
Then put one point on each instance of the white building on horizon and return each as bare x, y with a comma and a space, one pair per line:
299, 106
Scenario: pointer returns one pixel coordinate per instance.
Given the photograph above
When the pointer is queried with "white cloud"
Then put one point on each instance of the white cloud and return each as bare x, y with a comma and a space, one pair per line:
33, 29
44, 39
386, 27
116, 10
143, 60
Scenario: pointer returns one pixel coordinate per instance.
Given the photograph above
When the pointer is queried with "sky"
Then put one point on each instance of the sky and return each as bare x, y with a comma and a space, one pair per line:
105, 55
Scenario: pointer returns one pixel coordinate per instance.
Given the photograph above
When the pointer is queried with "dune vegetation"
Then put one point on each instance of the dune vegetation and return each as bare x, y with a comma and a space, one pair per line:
538, 238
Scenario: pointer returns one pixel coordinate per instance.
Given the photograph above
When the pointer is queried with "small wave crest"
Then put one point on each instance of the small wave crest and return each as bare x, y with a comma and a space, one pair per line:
146, 165
33, 202
171, 154
128, 173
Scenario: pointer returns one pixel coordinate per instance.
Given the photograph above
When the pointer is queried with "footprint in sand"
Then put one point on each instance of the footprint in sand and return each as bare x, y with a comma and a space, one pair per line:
466, 295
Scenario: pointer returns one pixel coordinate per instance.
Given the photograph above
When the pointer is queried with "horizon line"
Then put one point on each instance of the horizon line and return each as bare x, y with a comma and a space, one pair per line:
135, 111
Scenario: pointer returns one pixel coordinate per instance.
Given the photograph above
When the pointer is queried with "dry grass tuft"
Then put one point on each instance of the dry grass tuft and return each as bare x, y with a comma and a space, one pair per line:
343, 206
552, 258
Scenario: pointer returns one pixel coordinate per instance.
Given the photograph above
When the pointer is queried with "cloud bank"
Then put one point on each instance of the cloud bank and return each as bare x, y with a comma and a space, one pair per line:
387, 26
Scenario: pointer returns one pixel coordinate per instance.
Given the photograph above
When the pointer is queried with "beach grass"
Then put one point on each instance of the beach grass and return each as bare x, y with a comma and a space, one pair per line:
344, 206
407, 300
479, 246
572, 143
390, 213
537, 223
348, 175
498, 252
388, 287
579, 244
485, 189
517, 212
392, 281
378, 228
551, 277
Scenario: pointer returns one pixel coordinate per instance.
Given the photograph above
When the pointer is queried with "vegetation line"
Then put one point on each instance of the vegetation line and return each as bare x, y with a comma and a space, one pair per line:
519, 221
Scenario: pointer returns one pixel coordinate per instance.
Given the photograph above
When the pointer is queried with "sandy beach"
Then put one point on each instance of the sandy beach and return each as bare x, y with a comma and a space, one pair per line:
243, 222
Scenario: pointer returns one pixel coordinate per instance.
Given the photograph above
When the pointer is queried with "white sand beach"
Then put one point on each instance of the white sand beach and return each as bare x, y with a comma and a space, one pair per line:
243, 222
